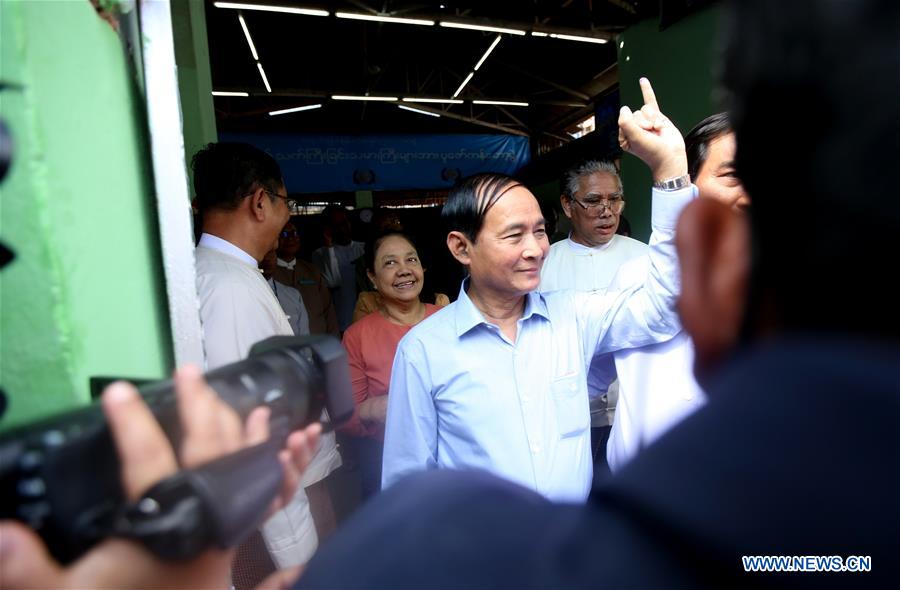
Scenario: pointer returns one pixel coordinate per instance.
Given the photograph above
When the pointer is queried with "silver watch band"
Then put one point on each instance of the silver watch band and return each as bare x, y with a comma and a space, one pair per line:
673, 184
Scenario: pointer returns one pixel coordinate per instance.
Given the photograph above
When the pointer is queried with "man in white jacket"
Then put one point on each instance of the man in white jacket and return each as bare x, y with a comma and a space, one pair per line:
243, 203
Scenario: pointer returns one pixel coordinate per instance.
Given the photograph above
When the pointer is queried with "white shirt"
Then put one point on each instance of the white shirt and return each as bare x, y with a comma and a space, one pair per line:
657, 388
571, 265
463, 396
339, 272
237, 310
285, 264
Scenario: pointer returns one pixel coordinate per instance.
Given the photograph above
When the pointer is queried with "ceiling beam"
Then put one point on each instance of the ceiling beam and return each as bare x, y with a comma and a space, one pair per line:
419, 106
481, 95
599, 84
500, 108
472, 120
606, 33
363, 6
542, 80
320, 94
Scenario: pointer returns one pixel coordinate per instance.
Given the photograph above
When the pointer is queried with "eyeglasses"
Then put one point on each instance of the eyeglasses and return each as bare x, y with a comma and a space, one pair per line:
290, 234
614, 202
292, 204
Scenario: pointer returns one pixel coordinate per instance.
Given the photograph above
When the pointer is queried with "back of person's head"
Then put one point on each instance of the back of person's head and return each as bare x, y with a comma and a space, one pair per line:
385, 220
336, 222
586, 168
225, 172
697, 140
815, 105
332, 214
471, 199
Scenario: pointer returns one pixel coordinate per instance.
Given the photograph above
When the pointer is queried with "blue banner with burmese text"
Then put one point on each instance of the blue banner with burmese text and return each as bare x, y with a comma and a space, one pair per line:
332, 163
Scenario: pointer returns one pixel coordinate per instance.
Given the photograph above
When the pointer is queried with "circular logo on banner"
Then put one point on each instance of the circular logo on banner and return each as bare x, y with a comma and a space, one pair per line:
451, 174
363, 176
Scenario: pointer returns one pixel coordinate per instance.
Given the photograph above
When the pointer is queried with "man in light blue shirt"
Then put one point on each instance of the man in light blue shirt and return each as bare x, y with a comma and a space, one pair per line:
496, 380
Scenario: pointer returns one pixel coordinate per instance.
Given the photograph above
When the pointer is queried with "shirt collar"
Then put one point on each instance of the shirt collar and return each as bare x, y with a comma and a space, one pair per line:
225, 247
285, 264
468, 316
586, 250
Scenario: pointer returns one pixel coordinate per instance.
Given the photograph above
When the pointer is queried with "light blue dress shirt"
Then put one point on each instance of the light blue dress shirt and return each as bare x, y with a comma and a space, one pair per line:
463, 396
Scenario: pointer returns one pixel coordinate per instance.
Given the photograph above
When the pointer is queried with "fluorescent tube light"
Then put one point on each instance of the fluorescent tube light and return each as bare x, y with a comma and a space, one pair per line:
249, 38
348, 97
384, 19
488, 52
271, 8
438, 100
455, 25
463, 85
510, 103
568, 37
223, 93
308, 107
577, 38
262, 73
406, 108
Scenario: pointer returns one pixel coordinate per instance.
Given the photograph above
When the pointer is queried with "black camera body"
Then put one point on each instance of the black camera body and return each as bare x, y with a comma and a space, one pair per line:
61, 476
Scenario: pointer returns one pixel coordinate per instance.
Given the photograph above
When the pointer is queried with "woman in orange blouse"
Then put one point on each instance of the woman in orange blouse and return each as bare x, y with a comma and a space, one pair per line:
394, 267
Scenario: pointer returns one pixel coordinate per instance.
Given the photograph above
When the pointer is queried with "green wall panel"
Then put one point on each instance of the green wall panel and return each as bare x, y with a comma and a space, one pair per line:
679, 62
194, 79
85, 295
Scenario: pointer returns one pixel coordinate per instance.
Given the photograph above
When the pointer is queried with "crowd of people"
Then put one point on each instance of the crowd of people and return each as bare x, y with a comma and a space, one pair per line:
757, 405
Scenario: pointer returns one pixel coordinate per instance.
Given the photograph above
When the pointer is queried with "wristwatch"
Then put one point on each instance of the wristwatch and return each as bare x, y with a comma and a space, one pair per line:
673, 184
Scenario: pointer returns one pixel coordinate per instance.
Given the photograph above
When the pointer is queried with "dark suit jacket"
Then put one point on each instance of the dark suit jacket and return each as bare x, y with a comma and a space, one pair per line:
307, 279
797, 453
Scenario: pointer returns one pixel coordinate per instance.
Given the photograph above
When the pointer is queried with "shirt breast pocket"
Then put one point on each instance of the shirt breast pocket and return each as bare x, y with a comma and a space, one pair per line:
570, 400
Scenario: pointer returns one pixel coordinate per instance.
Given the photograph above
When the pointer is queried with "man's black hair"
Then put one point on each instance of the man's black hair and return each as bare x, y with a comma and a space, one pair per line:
224, 173
697, 141
471, 199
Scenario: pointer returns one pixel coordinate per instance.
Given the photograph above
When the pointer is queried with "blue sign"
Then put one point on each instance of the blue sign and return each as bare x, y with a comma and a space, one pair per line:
332, 163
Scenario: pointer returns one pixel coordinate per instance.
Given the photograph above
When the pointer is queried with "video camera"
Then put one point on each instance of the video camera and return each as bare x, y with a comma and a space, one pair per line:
61, 476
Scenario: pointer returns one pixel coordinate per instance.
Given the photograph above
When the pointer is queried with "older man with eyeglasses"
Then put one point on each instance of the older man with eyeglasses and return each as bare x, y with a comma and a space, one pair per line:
593, 200
587, 260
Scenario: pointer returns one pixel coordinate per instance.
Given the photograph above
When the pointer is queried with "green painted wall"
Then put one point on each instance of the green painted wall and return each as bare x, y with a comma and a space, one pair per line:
678, 61
194, 79
85, 295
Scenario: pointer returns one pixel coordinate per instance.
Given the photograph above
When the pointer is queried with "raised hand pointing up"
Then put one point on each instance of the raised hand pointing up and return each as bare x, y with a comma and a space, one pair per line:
651, 136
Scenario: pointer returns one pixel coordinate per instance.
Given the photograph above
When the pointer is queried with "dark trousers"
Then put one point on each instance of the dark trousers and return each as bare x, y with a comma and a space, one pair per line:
365, 454
599, 438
